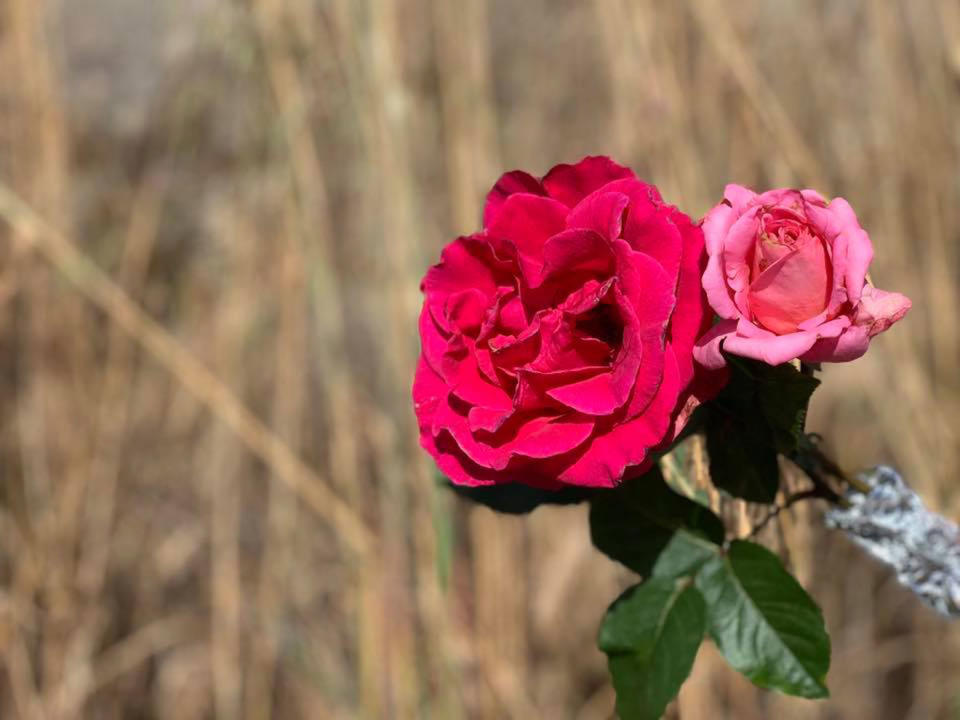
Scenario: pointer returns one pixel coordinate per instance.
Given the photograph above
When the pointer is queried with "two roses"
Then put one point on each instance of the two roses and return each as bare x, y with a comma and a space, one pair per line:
570, 339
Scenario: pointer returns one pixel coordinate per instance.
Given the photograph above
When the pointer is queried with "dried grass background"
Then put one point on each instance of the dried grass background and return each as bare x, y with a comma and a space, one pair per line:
212, 502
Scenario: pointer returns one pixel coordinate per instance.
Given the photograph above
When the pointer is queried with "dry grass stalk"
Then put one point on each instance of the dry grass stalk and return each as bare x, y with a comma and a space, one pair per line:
216, 214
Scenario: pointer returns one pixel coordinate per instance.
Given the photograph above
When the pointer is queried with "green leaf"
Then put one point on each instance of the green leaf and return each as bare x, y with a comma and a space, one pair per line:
517, 499
784, 396
651, 634
743, 460
759, 413
653, 530
764, 623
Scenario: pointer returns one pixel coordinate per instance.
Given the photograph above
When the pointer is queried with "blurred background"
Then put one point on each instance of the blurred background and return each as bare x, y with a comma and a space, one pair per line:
216, 214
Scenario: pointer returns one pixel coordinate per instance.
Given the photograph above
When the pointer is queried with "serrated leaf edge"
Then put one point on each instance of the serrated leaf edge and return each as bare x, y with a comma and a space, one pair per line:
819, 681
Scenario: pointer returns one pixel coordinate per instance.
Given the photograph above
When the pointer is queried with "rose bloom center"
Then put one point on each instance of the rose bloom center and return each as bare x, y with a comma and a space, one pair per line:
790, 274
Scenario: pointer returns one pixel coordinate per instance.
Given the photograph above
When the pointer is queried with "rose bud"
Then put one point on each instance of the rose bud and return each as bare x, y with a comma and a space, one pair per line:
557, 342
787, 275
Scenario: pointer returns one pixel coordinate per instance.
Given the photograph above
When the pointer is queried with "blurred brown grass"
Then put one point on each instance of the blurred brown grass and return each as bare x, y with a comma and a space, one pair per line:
212, 503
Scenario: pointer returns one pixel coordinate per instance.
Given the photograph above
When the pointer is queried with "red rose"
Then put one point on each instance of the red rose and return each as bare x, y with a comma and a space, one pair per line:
557, 343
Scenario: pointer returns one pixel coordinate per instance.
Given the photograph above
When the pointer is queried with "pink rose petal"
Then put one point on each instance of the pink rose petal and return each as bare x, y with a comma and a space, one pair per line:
736, 258
793, 289
878, 309
772, 350
707, 351
739, 197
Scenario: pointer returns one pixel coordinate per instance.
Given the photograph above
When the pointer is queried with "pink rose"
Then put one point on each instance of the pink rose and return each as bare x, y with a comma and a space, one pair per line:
557, 343
787, 275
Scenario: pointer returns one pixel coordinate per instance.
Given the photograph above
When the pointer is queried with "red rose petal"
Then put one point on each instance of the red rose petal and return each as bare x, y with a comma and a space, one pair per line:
581, 251
461, 266
432, 341
537, 437
600, 211
563, 348
650, 226
465, 380
606, 392
571, 183
527, 221
609, 455
466, 309
645, 284
691, 317
650, 373
509, 184
428, 390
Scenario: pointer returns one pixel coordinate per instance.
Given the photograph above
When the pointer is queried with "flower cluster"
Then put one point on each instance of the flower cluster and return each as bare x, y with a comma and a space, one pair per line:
569, 340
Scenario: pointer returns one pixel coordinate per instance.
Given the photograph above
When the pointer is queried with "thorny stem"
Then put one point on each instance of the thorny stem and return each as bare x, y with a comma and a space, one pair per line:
811, 493
818, 467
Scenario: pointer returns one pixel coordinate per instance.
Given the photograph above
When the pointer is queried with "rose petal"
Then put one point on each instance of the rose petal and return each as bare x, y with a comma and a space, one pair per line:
527, 221
488, 419
739, 197
578, 250
467, 383
782, 198
649, 374
562, 348
813, 198
462, 265
831, 328
879, 309
588, 297
707, 350
456, 466
859, 247
793, 289
465, 310
715, 286
849, 345
534, 386
737, 250
509, 184
604, 393
650, 224
645, 284
571, 183
706, 385
534, 438
548, 439
691, 317
716, 224
428, 390
432, 341
609, 455
513, 316
773, 350
600, 211
768, 251
852, 249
